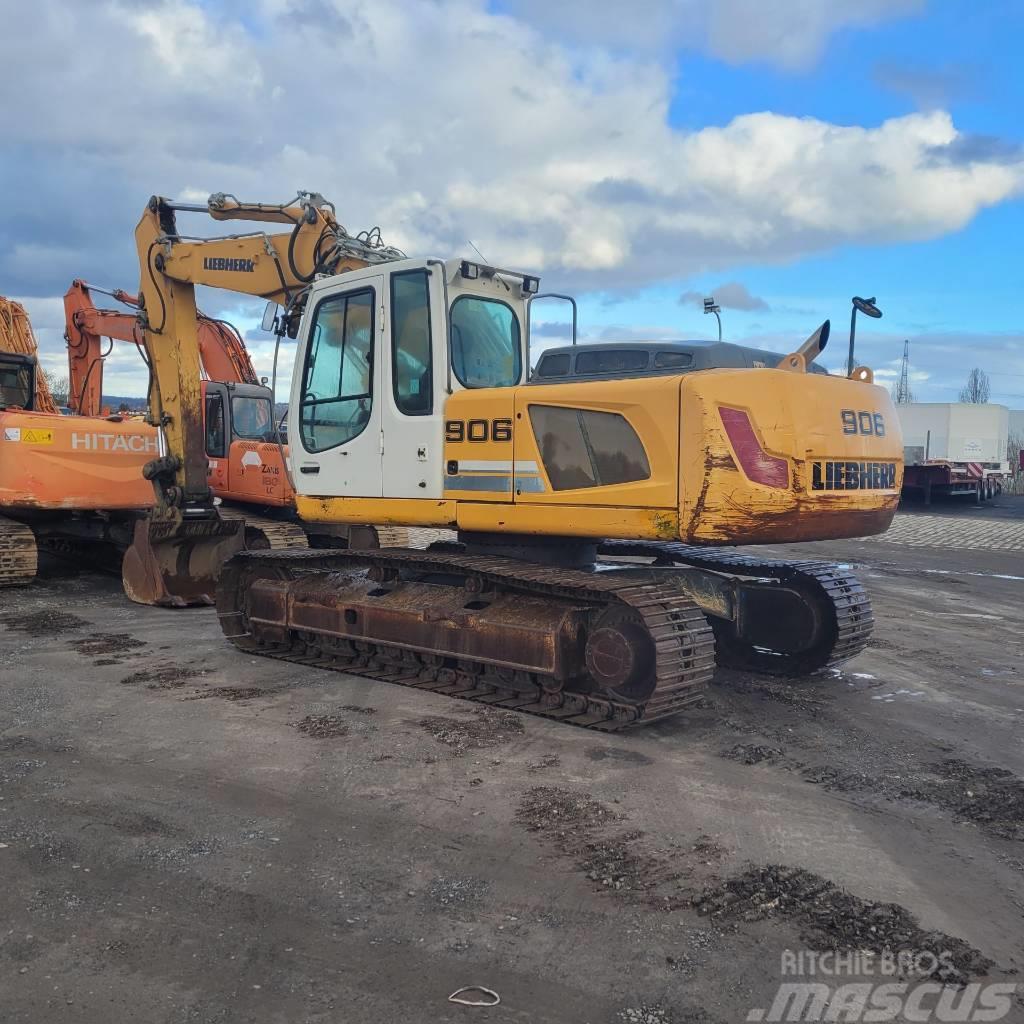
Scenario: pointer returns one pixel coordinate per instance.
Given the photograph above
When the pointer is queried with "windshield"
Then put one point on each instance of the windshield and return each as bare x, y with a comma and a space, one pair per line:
485, 343
251, 417
337, 387
15, 386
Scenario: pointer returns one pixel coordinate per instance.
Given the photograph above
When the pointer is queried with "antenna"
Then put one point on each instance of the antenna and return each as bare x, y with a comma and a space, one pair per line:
476, 250
903, 395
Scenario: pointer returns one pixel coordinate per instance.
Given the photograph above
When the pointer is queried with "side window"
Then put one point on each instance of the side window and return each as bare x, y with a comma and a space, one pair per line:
215, 434
554, 365
410, 343
337, 380
672, 360
485, 343
584, 448
611, 361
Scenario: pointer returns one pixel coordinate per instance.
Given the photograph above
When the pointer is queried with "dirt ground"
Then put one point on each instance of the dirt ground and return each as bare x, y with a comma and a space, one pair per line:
193, 836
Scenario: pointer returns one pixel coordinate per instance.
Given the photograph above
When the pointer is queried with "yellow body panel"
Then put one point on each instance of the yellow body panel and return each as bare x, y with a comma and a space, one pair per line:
484, 464
382, 511
569, 521
797, 417
702, 486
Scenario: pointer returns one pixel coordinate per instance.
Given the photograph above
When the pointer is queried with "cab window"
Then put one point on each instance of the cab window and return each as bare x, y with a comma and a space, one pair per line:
215, 436
410, 343
15, 386
251, 417
337, 379
485, 343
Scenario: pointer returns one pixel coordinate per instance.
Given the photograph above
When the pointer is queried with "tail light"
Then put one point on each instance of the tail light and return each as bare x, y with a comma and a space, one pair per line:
756, 463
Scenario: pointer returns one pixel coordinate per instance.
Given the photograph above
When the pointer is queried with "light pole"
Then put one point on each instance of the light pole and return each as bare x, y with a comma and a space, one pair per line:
710, 307
868, 308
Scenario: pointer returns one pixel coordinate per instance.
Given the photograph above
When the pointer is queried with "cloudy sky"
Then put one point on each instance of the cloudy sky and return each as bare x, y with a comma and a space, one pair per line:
782, 155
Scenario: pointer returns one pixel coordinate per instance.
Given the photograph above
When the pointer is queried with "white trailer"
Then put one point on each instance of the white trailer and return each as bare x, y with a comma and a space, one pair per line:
954, 448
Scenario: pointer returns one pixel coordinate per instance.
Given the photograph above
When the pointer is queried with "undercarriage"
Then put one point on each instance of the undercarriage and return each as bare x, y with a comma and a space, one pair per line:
628, 639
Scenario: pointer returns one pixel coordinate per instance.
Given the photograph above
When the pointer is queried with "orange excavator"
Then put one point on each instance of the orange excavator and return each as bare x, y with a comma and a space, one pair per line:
247, 463
68, 484
221, 349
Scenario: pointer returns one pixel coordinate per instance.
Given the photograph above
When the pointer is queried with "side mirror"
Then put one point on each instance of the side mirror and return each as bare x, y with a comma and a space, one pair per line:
269, 322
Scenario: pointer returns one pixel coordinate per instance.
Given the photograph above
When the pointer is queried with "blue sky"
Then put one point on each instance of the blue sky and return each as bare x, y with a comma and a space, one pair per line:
783, 155
961, 58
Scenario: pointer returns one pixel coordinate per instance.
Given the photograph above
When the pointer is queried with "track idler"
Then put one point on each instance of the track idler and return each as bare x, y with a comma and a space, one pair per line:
790, 618
175, 563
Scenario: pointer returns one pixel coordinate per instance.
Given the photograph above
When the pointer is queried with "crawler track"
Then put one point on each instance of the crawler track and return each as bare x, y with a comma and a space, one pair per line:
18, 554
264, 533
842, 605
681, 639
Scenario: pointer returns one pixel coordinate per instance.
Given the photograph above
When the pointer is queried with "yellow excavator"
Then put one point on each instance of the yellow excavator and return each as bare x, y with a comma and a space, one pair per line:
591, 579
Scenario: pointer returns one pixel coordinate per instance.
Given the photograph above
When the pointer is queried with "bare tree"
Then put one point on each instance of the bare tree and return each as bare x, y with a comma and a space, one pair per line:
1014, 446
59, 386
976, 390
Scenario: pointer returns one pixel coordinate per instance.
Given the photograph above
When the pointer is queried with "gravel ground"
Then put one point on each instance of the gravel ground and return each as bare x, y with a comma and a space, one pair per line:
189, 835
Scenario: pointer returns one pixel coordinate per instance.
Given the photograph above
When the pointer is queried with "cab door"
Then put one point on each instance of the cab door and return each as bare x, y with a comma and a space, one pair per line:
413, 404
217, 431
335, 414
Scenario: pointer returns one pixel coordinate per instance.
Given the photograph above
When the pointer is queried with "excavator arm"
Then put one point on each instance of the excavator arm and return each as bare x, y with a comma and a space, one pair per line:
221, 350
177, 554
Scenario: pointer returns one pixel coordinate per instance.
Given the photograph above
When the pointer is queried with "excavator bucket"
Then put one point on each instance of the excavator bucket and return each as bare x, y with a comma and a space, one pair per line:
176, 564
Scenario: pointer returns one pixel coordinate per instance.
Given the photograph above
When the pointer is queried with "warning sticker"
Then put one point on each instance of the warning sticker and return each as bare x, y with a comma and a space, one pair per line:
12, 433
37, 437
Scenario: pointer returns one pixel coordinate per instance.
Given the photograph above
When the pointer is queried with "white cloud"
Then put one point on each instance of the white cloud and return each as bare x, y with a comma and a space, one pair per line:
445, 123
790, 34
728, 295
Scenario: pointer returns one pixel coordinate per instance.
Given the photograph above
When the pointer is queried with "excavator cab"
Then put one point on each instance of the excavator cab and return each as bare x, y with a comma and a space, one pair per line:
17, 381
245, 462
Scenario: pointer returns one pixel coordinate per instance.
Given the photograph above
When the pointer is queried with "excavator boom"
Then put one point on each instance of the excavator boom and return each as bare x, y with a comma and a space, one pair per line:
178, 551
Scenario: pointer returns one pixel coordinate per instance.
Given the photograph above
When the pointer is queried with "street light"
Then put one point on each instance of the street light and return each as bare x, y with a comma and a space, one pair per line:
868, 308
710, 307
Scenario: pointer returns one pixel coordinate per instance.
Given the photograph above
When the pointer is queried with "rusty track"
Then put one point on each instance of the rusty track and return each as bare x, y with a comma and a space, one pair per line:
18, 554
292, 535
279, 533
840, 598
682, 639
